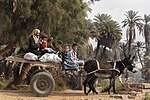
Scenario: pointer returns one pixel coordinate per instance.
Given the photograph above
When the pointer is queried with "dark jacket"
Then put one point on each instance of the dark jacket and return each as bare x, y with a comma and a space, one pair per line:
33, 47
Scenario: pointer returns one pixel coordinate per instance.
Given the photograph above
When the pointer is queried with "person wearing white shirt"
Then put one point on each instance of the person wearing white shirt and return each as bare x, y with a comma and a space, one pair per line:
74, 55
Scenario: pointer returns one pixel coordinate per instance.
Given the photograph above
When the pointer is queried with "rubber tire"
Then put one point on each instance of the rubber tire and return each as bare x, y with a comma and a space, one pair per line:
42, 77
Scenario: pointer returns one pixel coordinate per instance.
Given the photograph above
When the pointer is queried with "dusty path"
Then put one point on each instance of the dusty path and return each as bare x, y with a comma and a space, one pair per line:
137, 92
67, 95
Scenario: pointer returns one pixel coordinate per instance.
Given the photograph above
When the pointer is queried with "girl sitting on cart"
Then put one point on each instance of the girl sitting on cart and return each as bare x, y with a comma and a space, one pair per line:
44, 46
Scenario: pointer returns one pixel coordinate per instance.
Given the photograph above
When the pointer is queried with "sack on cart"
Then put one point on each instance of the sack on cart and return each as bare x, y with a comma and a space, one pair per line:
30, 56
50, 58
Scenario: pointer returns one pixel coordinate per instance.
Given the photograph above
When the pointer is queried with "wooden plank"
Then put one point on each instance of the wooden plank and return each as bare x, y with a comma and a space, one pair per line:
34, 63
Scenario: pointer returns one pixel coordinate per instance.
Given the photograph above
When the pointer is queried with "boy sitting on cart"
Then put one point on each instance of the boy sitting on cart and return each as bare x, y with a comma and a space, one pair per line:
70, 65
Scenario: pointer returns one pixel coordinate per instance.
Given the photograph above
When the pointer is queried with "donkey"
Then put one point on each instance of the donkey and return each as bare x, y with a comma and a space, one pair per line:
106, 70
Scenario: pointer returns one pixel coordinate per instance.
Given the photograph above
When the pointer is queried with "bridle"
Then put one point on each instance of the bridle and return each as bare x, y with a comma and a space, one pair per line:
123, 64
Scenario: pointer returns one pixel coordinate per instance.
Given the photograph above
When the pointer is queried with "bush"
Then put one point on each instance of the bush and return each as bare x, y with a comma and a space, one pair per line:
4, 83
60, 84
105, 84
147, 96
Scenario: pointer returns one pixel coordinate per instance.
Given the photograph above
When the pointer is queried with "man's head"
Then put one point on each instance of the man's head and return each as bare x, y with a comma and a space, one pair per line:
75, 46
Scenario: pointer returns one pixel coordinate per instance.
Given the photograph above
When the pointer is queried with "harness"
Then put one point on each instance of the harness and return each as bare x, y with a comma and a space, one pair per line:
114, 65
98, 68
123, 64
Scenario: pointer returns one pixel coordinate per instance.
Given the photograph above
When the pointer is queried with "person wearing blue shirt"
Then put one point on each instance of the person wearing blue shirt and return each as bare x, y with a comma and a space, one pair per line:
68, 63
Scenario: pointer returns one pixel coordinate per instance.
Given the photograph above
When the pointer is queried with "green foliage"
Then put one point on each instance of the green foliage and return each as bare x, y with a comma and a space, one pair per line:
132, 22
4, 83
146, 32
108, 29
147, 96
5, 22
105, 84
60, 83
60, 19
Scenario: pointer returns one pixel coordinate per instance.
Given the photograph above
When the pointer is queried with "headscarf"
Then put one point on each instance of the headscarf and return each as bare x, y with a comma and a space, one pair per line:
34, 32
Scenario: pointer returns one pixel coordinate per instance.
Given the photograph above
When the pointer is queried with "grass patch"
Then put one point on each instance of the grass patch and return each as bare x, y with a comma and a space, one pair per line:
147, 96
105, 83
4, 83
59, 83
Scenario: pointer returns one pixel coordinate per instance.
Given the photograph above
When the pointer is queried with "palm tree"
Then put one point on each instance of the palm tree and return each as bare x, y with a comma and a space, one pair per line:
146, 31
92, 1
109, 32
132, 22
139, 45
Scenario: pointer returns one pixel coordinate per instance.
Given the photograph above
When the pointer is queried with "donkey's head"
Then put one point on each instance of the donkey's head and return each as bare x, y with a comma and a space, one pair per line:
129, 63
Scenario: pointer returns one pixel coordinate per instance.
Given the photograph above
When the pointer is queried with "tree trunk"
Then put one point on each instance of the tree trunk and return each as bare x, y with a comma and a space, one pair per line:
97, 49
103, 54
7, 48
140, 58
130, 42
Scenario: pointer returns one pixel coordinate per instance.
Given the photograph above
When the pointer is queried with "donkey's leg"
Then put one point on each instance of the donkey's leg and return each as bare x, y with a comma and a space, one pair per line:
90, 79
110, 85
110, 81
85, 82
114, 89
92, 85
107, 89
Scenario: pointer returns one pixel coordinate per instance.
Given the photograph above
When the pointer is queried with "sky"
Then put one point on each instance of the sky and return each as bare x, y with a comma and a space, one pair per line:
117, 9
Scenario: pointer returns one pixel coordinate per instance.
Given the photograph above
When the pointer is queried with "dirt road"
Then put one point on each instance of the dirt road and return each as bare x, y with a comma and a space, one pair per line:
64, 95
67, 95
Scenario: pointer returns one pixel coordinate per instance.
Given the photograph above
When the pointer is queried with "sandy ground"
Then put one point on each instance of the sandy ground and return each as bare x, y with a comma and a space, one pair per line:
65, 95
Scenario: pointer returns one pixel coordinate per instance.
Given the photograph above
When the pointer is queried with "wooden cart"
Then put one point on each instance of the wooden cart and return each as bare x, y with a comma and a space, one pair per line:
42, 82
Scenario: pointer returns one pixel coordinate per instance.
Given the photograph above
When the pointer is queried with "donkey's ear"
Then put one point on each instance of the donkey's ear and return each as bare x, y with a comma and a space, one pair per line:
125, 55
133, 58
129, 57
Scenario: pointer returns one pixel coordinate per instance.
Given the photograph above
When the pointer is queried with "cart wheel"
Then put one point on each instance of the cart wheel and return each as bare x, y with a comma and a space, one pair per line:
42, 84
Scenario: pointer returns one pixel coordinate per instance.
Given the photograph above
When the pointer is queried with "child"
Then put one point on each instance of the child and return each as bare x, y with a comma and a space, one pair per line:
43, 43
67, 62
73, 53
44, 46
